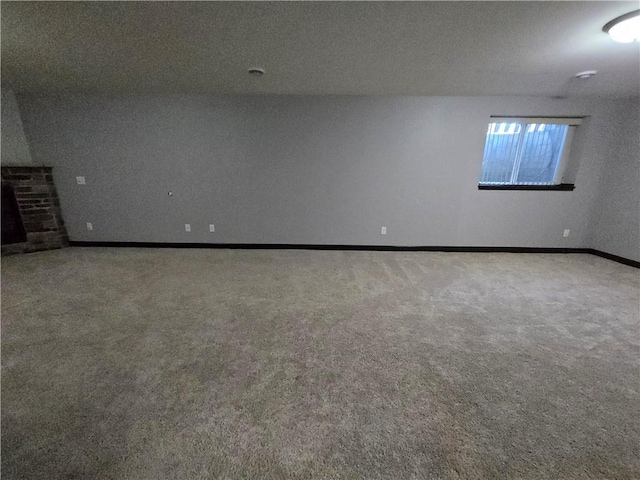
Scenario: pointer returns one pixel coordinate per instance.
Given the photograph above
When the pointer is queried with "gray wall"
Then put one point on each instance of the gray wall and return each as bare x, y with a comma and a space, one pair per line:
15, 150
615, 221
296, 169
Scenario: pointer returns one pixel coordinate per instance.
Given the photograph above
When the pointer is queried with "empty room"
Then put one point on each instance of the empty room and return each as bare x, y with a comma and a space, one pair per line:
320, 240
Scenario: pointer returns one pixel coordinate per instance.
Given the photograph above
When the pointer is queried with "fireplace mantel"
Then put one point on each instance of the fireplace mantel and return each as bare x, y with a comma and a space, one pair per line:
39, 209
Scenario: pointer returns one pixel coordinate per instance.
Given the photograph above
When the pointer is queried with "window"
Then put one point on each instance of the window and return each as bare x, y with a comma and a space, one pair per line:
526, 152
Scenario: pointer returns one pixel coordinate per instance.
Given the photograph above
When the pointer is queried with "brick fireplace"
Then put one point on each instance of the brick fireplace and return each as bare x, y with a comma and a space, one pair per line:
32, 220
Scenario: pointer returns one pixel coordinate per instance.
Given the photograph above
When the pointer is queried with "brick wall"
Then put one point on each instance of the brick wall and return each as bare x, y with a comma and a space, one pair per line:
39, 208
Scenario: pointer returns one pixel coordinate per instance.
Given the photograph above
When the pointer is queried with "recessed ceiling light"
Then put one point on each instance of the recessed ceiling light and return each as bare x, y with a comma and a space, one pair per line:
624, 29
586, 74
256, 72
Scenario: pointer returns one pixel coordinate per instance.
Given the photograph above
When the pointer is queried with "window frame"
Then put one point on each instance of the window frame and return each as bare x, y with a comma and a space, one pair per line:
571, 122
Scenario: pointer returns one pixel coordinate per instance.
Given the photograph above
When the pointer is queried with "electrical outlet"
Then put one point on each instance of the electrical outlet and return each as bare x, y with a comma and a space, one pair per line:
212, 227
566, 233
81, 181
89, 226
383, 231
187, 227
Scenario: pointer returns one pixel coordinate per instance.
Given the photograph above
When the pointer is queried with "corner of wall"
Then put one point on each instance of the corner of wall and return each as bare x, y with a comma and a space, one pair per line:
614, 217
15, 149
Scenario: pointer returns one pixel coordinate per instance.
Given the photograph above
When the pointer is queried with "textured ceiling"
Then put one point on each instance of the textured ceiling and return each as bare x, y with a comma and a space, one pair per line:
416, 48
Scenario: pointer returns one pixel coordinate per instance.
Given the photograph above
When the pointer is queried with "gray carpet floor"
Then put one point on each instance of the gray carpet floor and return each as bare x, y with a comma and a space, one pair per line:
252, 364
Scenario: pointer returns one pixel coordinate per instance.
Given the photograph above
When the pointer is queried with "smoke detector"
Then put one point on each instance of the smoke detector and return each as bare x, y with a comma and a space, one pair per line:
256, 72
586, 74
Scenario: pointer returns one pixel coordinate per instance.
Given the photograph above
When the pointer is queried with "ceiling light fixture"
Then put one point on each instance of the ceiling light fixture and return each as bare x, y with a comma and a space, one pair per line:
624, 29
586, 74
256, 72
